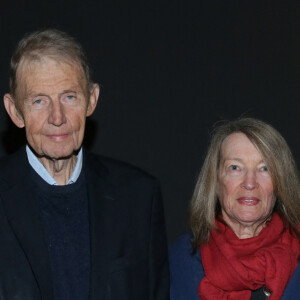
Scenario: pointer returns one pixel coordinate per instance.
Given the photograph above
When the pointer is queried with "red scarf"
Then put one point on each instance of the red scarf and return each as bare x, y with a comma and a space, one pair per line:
234, 267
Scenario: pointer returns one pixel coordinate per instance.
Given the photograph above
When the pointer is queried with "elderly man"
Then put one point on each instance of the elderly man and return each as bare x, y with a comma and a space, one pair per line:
73, 225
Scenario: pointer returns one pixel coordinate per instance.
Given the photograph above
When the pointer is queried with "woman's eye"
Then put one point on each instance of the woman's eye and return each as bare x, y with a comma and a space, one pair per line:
234, 168
264, 169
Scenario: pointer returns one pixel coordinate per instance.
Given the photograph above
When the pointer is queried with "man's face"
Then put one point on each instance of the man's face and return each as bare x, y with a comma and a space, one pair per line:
52, 105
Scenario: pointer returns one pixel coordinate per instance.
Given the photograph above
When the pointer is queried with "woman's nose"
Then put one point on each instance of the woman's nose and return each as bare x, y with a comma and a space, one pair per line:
250, 181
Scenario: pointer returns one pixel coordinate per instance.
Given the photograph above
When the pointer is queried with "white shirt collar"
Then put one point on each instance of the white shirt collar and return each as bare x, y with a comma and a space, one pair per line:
42, 171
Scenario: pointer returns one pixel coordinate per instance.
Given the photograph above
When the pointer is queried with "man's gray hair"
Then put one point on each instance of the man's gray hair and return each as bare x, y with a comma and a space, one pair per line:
49, 42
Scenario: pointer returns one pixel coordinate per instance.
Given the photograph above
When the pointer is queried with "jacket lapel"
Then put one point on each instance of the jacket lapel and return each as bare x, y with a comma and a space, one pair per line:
22, 214
102, 203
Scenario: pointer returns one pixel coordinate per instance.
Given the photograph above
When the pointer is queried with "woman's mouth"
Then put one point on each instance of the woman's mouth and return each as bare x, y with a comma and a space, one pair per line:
249, 201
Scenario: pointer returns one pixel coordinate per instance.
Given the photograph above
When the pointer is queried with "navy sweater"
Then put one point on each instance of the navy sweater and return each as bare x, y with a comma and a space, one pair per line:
65, 221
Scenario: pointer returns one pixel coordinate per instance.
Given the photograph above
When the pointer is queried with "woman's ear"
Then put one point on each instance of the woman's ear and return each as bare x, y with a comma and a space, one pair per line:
13, 111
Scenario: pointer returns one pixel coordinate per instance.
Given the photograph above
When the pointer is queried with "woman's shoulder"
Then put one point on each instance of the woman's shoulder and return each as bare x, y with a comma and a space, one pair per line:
185, 269
292, 290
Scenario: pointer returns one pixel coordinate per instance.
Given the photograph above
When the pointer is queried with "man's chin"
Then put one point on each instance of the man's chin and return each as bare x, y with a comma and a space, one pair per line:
57, 155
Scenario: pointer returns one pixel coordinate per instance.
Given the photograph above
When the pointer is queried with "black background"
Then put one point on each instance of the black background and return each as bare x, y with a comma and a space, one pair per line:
169, 71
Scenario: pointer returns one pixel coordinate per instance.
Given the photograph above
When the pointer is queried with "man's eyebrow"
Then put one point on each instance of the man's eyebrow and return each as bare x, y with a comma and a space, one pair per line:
33, 95
67, 91
75, 91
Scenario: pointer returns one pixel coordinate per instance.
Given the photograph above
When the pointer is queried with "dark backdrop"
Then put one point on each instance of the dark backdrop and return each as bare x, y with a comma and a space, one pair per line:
169, 70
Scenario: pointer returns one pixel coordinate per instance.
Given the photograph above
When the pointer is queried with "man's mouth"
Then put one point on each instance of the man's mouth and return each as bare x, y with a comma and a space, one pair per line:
57, 137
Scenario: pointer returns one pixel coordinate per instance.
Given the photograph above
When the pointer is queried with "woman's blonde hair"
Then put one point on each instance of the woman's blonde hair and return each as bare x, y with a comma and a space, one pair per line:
277, 156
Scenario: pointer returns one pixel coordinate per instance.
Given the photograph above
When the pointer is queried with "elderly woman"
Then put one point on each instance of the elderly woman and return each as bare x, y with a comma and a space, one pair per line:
244, 220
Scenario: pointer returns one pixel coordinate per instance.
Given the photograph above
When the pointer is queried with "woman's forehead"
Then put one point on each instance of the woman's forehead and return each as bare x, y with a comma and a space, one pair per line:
238, 146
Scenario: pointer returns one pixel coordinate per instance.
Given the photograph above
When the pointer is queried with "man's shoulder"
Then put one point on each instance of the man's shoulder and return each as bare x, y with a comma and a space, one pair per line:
117, 170
13, 158
12, 167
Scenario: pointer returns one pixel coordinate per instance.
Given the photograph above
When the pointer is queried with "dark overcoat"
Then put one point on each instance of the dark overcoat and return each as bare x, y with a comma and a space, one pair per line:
127, 233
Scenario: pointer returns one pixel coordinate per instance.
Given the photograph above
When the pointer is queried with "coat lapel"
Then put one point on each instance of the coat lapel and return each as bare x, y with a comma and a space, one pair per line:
103, 199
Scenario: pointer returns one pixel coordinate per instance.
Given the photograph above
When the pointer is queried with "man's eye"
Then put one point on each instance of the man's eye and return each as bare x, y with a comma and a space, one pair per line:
70, 97
37, 101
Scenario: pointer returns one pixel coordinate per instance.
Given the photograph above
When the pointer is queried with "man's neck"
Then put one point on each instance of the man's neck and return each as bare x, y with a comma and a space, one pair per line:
60, 169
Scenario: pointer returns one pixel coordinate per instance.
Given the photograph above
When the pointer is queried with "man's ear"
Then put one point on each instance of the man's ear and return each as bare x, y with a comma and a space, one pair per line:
93, 100
12, 110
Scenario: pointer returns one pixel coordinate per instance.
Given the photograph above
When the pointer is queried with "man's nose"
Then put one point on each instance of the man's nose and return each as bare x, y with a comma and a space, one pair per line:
57, 114
250, 180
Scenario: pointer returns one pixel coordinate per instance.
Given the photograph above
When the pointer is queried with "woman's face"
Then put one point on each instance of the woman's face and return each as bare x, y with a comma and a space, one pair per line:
245, 188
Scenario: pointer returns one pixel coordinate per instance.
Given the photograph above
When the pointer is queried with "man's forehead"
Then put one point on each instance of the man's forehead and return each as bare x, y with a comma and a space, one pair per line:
32, 72
33, 63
